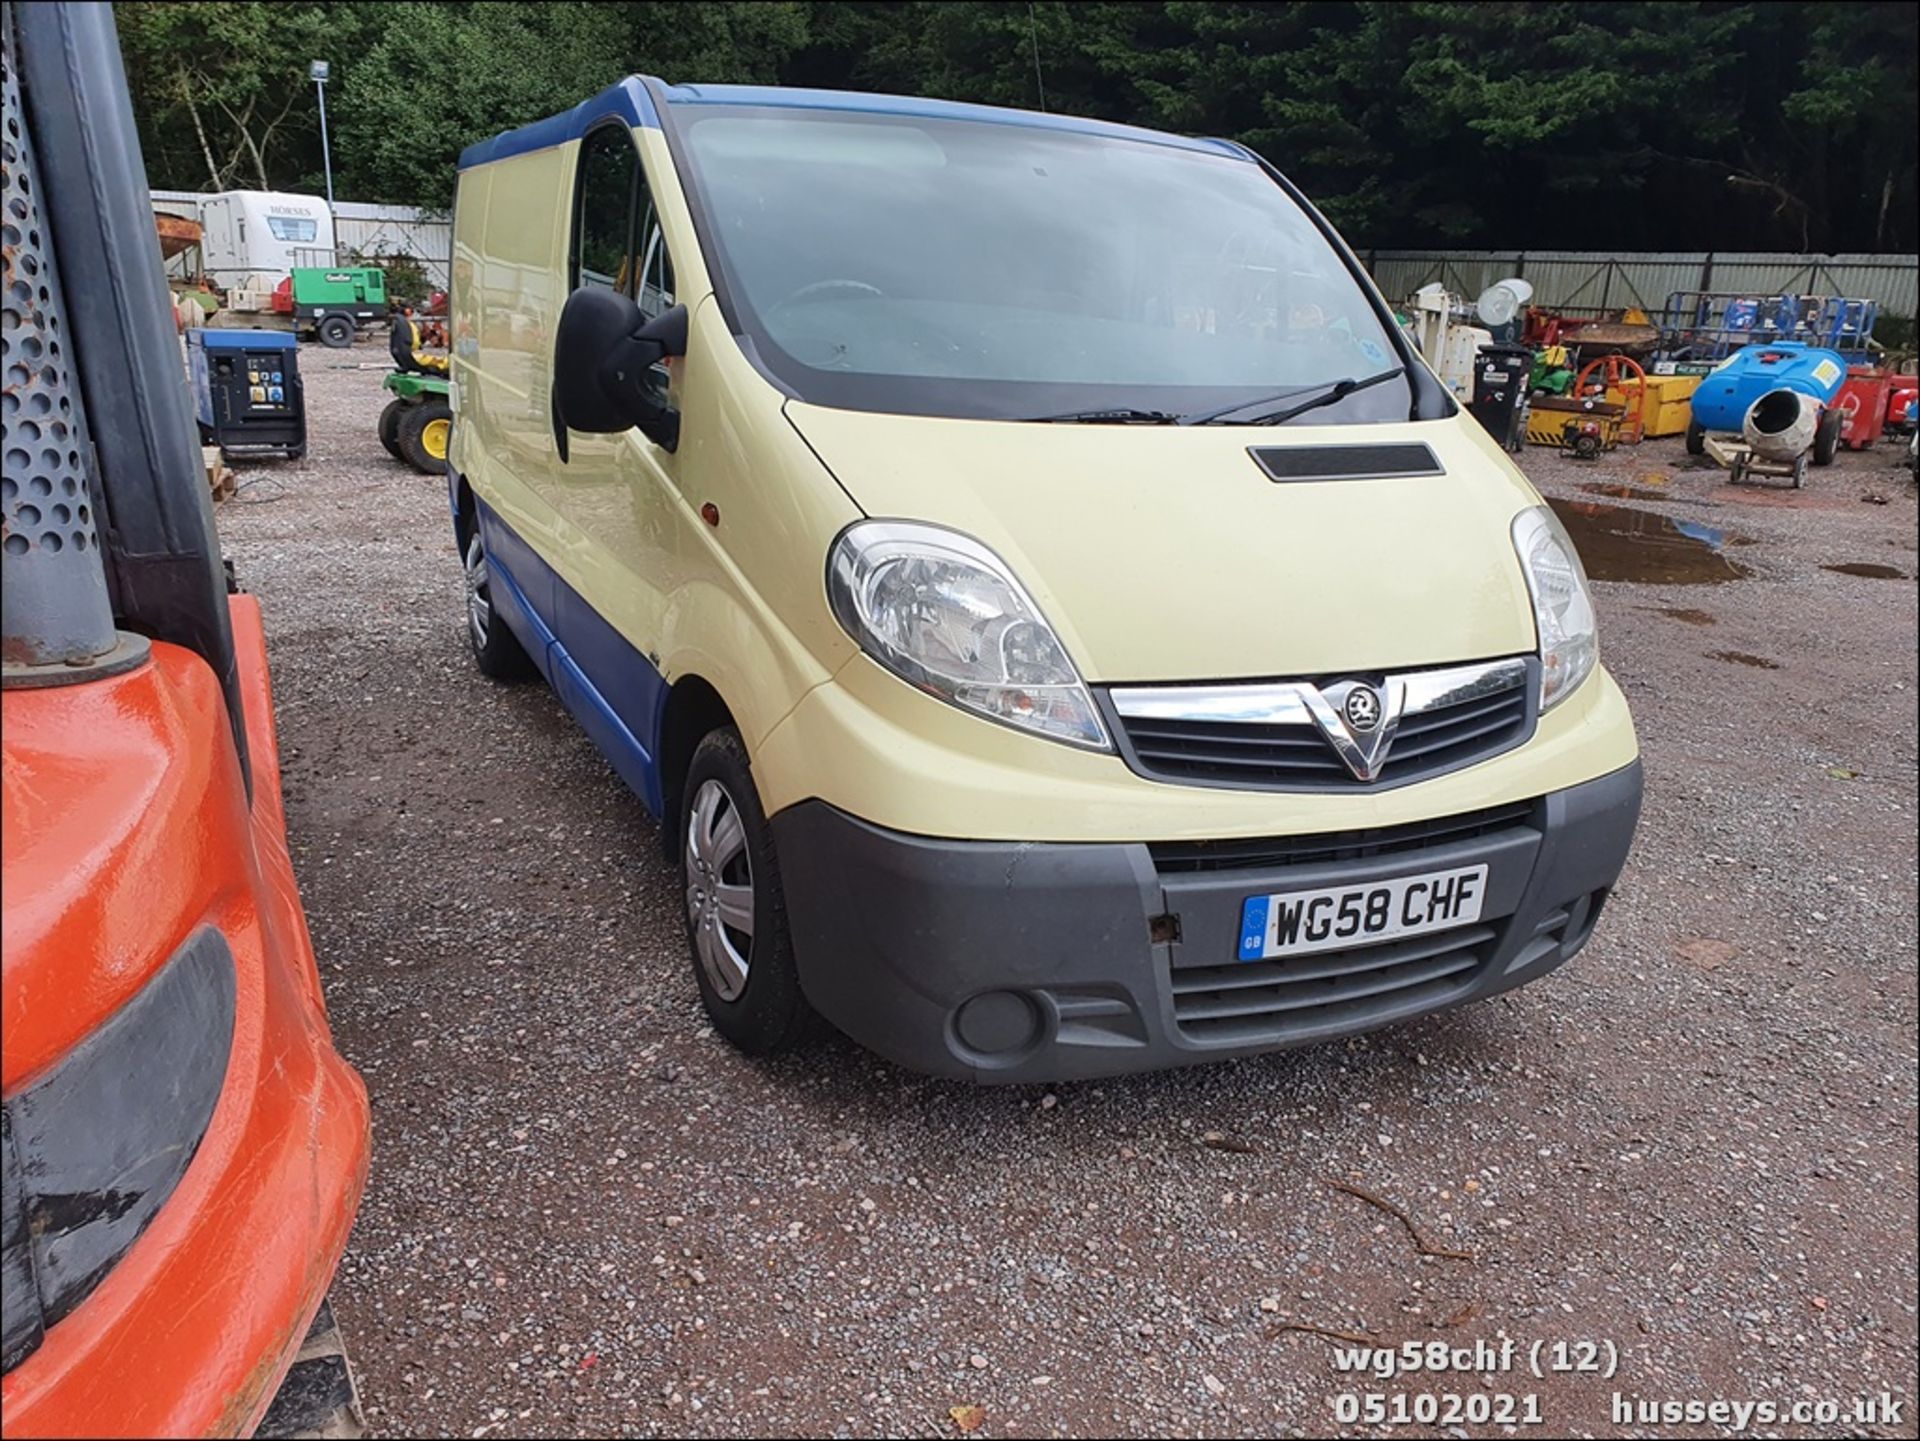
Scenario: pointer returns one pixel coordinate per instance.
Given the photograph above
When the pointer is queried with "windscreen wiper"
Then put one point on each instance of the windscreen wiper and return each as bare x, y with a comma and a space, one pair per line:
1123, 415
1334, 391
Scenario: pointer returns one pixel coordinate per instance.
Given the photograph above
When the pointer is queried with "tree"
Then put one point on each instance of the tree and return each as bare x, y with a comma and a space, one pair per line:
1858, 94
1646, 124
444, 76
221, 88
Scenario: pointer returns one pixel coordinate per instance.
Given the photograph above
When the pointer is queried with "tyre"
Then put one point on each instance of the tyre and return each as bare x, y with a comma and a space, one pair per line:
1696, 438
496, 649
335, 331
737, 932
390, 426
1826, 437
424, 432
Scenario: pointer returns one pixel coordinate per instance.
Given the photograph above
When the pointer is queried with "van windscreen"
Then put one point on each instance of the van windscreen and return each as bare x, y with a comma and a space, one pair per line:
970, 268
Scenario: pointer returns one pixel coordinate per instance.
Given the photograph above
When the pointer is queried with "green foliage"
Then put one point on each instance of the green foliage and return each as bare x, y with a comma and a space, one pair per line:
443, 76
218, 87
1857, 86
1644, 124
406, 277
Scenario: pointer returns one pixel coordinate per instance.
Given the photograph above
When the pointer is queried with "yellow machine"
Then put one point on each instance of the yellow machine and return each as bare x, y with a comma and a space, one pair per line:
1586, 427
1668, 405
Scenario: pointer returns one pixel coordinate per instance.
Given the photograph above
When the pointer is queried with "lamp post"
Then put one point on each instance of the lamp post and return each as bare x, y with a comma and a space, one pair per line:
317, 72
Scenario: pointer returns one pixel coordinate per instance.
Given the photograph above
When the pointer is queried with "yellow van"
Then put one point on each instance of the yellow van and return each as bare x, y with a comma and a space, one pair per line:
1062, 626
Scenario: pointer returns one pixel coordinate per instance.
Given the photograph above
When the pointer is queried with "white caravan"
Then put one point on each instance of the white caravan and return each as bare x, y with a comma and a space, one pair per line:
253, 238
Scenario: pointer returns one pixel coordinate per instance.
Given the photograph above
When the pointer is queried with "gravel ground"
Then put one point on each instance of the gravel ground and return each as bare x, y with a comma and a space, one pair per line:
1695, 1145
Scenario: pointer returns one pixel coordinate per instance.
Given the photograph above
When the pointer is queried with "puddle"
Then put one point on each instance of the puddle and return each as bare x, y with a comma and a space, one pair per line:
1620, 490
1618, 542
1740, 657
1863, 568
1681, 614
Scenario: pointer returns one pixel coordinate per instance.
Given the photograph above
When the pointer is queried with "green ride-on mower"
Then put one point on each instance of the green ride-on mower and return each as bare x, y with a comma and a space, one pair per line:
418, 420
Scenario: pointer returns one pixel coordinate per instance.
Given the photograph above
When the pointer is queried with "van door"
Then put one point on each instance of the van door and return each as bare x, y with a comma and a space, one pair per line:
615, 497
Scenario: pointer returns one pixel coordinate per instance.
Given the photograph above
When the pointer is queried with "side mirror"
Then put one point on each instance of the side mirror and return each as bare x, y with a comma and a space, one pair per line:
602, 352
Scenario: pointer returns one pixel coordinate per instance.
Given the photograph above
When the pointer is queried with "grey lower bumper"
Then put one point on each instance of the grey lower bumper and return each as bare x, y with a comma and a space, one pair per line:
1014, 962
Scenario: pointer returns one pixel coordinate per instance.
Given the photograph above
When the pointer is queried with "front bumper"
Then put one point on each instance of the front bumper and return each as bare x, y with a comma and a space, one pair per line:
1021, 962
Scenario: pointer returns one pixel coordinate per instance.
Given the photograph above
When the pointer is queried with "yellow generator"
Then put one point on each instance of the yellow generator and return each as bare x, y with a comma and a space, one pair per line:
1584, 427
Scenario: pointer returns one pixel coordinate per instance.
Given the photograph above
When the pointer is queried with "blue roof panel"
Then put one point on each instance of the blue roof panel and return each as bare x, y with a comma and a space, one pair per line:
628, 100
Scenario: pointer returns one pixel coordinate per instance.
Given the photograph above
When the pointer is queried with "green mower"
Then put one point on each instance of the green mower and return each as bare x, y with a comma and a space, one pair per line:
418, 421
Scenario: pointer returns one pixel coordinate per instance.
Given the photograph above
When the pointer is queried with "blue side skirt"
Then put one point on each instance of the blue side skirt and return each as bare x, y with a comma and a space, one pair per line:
606, 684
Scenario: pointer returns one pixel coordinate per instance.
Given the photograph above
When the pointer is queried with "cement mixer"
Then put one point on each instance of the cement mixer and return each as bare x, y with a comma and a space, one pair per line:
1779, 399
1782, 424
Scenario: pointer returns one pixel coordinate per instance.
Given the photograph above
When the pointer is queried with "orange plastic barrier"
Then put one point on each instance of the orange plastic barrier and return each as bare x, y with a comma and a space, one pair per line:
127, 828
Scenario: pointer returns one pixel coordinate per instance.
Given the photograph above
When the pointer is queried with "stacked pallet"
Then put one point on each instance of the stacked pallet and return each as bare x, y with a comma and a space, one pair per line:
220, 478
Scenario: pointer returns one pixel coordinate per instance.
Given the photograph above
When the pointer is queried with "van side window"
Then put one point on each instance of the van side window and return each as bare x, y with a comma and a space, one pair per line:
618, 242
604, 199
656, 266
617, 239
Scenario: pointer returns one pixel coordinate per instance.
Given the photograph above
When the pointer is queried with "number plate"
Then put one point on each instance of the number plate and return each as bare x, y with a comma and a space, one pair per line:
1293, 923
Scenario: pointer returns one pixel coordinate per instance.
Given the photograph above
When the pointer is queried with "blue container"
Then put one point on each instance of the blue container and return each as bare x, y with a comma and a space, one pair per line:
1724, 397
247, 394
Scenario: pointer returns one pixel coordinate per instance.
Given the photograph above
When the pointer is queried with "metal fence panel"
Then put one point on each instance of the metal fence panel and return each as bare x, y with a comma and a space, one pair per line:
396, 230
1893, 280
1770, 274
1399, 273
1581, 279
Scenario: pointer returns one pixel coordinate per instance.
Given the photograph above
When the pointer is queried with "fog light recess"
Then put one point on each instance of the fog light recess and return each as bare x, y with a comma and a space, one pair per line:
996, 1022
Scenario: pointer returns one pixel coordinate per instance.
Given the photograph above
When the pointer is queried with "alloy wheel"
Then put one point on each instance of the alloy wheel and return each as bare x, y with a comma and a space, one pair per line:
719, 890
479, 604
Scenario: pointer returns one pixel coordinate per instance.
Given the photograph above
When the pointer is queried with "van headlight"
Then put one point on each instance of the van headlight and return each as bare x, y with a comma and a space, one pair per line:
1562, 605
944, 613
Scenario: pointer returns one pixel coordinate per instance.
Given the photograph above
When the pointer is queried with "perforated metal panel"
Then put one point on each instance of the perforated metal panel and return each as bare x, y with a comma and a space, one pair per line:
56, 606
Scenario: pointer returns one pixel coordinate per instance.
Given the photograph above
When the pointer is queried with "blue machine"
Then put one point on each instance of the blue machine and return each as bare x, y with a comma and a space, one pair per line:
1707, 324
1725, 396
247, 393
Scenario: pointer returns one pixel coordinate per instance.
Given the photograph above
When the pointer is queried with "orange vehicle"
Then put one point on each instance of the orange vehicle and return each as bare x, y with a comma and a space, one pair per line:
182, 1148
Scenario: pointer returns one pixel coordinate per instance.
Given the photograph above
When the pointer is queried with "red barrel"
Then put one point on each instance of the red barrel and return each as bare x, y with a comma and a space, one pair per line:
1903, 391
1862, 402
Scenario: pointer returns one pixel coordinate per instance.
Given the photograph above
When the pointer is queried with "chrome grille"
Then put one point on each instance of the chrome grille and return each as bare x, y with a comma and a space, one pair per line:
1273, 736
